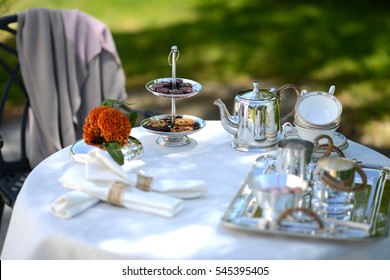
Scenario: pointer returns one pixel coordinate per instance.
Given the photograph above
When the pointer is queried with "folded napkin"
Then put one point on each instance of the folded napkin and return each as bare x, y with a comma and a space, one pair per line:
96, 180
100, 167
87, 193
73, 203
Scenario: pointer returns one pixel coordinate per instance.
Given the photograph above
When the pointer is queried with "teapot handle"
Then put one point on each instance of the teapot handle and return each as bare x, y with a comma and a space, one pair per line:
278, 95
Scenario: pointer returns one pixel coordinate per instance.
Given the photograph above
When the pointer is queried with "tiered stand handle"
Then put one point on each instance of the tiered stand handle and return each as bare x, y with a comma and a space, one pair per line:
172, 58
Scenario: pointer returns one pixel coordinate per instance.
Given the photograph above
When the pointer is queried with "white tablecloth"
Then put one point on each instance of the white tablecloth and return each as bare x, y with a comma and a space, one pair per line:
109, 232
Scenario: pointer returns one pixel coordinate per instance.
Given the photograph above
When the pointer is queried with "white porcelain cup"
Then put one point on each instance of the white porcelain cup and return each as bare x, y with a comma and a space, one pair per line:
296, 131
303, 123
318, 108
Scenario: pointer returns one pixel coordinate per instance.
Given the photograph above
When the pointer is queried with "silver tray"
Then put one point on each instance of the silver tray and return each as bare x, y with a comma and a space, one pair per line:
196, 87
369, 220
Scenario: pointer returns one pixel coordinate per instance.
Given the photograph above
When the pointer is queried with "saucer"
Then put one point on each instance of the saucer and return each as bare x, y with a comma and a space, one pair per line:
79, 150
339, 140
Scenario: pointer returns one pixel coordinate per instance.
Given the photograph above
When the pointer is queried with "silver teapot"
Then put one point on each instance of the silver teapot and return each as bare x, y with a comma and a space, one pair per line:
255, 124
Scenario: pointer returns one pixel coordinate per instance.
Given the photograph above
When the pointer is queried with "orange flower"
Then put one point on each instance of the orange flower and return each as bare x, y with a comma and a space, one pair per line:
94, 114
105, 124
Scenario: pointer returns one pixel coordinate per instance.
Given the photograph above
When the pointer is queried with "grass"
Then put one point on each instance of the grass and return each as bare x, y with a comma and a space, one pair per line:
226, 45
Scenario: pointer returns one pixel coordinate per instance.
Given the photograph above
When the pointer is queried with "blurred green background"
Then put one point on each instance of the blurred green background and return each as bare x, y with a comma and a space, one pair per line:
226, 45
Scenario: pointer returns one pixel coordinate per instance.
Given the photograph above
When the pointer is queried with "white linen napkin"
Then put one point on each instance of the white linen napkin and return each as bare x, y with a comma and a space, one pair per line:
73, 203
86, 192
92, 181
102, 168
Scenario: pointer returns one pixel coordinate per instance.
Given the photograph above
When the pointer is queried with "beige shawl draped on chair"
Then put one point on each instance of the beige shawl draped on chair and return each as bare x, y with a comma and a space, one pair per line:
69, 64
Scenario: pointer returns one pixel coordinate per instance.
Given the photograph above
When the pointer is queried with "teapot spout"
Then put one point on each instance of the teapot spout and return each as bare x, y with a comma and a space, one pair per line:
229, 123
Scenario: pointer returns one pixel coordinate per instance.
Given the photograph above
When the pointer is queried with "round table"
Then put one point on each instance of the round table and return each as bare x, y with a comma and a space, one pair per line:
108, 232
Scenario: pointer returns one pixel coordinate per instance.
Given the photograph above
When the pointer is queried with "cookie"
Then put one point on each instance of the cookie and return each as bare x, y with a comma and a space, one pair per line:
158, 125
183, 124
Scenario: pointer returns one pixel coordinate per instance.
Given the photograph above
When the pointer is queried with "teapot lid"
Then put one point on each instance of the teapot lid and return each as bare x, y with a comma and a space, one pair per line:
257, 94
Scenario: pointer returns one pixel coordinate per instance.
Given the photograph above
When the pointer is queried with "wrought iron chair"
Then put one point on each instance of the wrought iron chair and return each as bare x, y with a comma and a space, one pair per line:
13, 172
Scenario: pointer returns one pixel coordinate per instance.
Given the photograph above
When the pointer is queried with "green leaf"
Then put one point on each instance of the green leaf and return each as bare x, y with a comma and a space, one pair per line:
113, 103
114, 150
133, 118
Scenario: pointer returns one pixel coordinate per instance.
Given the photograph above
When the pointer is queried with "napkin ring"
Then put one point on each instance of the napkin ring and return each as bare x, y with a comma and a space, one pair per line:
144, 182
115, 193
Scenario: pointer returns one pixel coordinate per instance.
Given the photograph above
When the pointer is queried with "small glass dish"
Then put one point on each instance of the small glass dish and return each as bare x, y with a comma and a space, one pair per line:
133, 150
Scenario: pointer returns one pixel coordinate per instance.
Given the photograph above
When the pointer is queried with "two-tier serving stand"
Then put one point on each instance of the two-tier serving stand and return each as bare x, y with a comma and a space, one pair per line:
173, 139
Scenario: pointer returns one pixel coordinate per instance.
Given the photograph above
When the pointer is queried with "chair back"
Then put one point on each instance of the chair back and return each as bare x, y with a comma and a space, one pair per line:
14, 164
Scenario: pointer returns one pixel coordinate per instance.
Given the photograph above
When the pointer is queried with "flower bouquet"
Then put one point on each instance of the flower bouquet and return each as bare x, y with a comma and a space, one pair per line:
108, 128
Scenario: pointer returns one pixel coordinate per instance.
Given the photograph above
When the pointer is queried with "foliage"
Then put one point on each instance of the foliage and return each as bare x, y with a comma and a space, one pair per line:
114, 149
313, 44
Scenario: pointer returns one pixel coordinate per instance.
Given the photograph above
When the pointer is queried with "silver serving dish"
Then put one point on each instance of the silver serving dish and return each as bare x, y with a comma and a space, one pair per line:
173, 139
196, 87
369, 219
